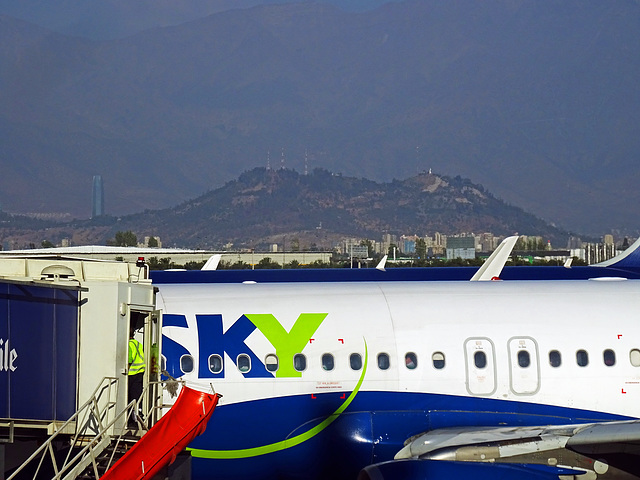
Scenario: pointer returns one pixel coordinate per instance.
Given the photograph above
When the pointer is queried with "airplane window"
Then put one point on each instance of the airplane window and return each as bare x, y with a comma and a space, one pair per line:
383, 361
524, 360
634, 357
355, 360
299, 362
186, 363
327, 362
582, 358
411, 360
555, 359
480, 359
163, 363
609, 357
215, 363
244, 363
438, 360
271, 362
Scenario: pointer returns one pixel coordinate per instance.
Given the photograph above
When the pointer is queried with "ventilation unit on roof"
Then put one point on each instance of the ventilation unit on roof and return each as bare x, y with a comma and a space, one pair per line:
57, 273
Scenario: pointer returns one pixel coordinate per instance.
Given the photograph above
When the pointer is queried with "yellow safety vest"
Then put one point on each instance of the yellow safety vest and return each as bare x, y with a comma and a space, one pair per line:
136, 357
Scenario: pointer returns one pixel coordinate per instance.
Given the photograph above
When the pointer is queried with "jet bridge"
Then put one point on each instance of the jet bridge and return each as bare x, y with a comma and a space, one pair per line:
64, 333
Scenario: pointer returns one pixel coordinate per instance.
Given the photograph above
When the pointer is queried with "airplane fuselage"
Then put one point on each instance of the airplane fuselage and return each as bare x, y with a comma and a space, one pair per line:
322, 374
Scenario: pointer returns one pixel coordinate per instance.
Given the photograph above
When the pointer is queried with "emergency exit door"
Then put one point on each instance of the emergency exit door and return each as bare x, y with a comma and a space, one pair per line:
480, 365
524, 366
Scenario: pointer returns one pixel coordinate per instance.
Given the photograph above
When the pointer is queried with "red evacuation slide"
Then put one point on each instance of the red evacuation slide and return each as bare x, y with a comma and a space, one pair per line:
166, 439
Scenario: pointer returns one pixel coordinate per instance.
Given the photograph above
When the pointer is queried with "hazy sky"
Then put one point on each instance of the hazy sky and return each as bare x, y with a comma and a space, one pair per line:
109, 19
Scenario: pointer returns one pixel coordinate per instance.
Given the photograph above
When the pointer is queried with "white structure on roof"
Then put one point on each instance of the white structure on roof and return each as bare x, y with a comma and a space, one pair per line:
178, 256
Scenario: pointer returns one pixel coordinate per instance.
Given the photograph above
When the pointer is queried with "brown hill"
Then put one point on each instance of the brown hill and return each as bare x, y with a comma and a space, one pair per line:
266, 206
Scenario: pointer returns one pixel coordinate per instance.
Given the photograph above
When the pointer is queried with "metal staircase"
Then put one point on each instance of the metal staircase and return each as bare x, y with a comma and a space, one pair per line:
97, 434
98, 465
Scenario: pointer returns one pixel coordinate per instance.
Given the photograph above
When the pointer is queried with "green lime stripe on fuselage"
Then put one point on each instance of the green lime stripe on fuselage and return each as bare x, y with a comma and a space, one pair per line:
290, 442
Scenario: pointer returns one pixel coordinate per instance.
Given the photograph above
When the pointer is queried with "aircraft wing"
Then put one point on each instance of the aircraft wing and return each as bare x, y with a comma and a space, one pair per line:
589, 450
447, 470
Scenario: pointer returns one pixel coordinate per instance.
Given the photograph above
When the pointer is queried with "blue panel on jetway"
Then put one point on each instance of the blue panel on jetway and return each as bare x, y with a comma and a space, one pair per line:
39, 331
4, 376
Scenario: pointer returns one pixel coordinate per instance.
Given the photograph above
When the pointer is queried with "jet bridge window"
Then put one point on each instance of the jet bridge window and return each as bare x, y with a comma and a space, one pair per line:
186, 363
299, 362
215, 363
383, 361
411, 360
609, 357
355, 361
271, 362
555, 358
327, 362
438, 360
634, 357
480, 359
582, 358
244, 363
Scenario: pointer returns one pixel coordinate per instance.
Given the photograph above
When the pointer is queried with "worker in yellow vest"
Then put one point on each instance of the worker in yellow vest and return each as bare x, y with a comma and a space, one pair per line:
136, 367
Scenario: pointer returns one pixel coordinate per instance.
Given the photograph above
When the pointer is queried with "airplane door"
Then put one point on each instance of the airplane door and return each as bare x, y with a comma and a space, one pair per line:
480, 365
524, 366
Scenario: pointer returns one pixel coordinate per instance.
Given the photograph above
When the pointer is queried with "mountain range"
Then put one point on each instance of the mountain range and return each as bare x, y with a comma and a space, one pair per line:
537, 101
265, 206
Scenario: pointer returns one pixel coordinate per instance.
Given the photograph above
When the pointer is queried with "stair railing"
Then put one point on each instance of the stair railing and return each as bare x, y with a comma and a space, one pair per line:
97, 417
92, 416
145, 420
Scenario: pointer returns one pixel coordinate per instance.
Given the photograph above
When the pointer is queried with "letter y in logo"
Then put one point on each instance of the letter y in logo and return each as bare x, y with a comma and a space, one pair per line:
287, 344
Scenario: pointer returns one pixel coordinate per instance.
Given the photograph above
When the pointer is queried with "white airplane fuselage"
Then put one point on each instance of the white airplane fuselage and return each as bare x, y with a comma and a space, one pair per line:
310, 369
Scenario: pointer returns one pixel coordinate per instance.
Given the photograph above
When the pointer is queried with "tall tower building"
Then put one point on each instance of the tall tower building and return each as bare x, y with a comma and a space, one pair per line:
97, 197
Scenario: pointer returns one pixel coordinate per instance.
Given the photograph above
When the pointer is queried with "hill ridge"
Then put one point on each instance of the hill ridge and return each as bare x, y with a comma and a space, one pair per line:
264, 206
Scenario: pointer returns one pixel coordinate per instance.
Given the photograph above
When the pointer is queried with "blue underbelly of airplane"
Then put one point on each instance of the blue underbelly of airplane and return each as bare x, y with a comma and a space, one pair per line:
247, 440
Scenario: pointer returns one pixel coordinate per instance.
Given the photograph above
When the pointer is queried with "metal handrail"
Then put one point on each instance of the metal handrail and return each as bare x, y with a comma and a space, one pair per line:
105, 384
95, 419
134, 406
131, 410
89, 448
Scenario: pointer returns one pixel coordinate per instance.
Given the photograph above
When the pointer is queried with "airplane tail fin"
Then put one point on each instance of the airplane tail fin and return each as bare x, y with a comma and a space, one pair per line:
492, 267
212, 263
630, 258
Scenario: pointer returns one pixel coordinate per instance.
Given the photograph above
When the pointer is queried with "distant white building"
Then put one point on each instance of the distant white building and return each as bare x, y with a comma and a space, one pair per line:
487, 242
461, 247
175, 255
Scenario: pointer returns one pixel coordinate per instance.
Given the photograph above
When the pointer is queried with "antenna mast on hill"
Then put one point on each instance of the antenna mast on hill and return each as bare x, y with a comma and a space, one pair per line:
306, 162
268, 160
282, 160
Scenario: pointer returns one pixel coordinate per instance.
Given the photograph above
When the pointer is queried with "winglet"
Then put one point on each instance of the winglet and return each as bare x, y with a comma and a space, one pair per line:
492, 267
629, 258
212, 263
382, 263
568, 262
